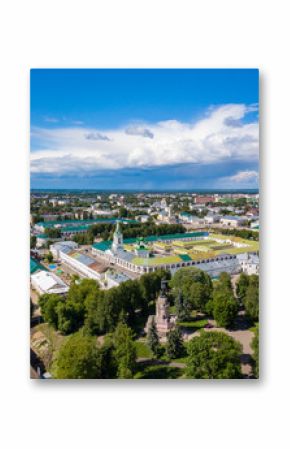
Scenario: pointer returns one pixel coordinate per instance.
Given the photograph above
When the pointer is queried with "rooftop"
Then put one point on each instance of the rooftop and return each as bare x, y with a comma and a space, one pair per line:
103, 246
49, 282
91, 221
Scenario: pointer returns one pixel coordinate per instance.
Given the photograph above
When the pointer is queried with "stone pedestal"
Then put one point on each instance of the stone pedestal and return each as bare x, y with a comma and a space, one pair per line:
162, 318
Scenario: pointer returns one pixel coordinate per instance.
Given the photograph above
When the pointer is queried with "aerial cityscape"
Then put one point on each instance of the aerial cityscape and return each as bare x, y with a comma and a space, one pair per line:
144, 224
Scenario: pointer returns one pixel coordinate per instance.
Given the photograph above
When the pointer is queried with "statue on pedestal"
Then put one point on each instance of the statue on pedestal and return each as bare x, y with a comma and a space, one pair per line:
162, 318
164, 322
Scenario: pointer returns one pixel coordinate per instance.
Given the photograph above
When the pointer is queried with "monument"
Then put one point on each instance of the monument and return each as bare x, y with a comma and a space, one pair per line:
163, 320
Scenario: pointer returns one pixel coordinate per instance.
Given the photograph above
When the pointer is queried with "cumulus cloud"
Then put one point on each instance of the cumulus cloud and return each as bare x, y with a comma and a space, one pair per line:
242, 178
245, 176
139, 131
96, 136
212, 139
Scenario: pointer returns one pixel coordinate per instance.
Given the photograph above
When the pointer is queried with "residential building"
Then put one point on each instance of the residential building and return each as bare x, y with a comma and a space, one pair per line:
233, 220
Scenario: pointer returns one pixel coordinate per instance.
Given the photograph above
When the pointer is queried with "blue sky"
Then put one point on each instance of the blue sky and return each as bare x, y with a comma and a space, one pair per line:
144, 129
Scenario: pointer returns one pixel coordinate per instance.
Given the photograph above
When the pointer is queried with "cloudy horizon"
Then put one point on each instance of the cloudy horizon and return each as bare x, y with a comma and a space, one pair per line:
217, 148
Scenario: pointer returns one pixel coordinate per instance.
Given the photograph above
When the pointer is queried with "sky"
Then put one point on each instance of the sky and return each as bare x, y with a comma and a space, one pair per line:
144, 129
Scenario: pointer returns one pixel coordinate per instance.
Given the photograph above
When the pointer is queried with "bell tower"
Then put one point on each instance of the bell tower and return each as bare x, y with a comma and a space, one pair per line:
117, 244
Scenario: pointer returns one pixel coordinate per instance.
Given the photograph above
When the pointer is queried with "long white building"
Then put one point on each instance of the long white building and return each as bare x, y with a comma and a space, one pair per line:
67, 253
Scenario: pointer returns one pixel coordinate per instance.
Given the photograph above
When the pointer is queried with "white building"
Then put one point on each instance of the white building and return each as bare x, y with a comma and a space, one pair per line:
47, 282
114, 279
163, 203
255, 224
65, 246
84, 265
104, 212
185, 217
232, 220
142, 218
212, 218
249, 263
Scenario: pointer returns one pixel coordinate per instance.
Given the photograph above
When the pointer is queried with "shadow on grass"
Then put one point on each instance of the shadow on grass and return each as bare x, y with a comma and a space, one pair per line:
159, 372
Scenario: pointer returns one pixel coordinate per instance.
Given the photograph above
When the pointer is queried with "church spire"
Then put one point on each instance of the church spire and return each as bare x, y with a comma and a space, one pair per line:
117, 239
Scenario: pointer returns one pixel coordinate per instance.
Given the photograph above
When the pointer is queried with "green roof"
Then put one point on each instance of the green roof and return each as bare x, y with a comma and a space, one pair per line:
185, 257
34, 266
156, 260
89, 221
74, 228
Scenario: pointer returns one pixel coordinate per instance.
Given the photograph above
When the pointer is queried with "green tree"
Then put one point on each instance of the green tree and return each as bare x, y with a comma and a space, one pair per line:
225, 280
49, 257
72, 312
182, 307
255, 347
251, 299
53, 233
106, 360
150, 284
131, 299
124, 352
213, 355
123, 212
195, 286
48, 305
242, 286
153, 339
174, 345
77, 359
225, 307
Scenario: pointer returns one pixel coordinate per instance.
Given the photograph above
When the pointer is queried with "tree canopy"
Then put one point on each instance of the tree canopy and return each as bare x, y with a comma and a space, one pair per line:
52, 233
78, 359
242, 286
125, 352
224, 306
194, 285
213, 355
174, 346
255, 347
251, 298
153, 339
99, 311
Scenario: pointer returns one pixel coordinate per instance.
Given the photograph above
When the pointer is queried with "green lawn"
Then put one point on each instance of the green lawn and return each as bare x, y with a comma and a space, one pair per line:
159, 372
142, 350
196, 324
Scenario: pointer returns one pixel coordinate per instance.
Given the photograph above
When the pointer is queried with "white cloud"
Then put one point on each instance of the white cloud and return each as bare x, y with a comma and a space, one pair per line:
245, 176
215, 138
139, 131
96, 136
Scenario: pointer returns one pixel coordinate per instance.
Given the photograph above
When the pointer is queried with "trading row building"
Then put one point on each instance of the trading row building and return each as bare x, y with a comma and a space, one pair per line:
209, 252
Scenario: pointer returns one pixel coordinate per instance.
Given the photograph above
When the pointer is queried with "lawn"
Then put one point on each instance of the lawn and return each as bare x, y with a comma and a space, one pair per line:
193, 324
159, 372
142, 350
